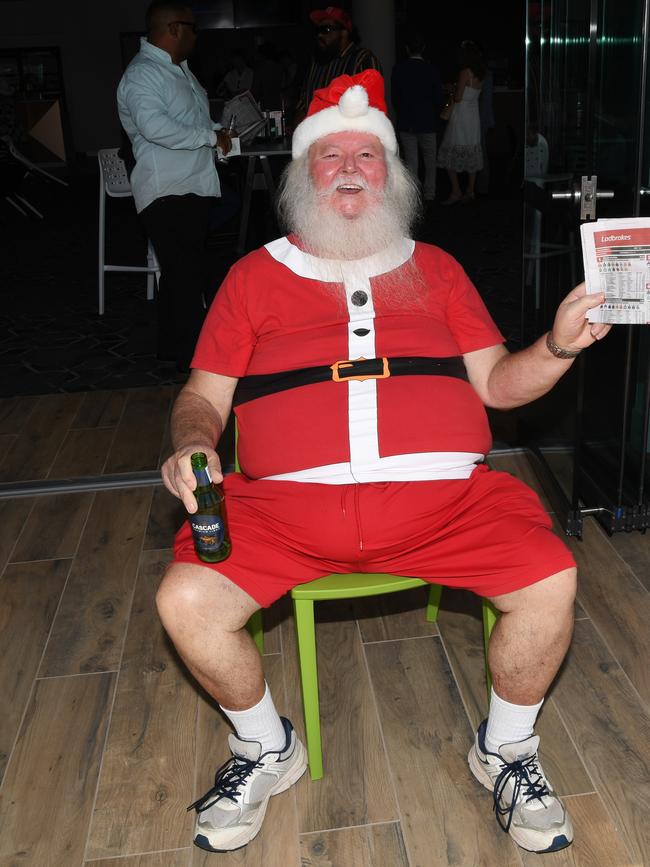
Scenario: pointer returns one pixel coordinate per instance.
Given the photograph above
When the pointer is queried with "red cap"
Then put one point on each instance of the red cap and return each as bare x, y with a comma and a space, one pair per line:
331, 13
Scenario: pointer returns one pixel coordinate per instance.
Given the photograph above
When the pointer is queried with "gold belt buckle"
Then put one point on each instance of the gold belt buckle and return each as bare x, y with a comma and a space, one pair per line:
349, 362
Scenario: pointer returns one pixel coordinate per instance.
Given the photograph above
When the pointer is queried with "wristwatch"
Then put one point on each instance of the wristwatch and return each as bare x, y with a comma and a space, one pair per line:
558, 351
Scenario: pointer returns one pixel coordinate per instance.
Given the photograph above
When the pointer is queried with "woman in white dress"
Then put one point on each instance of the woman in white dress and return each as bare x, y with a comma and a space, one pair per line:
461, 146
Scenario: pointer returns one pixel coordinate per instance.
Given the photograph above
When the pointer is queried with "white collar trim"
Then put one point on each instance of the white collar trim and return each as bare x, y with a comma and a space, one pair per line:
305, 265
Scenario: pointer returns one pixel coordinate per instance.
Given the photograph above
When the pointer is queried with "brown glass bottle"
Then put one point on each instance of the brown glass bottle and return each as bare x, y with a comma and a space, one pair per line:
209, 524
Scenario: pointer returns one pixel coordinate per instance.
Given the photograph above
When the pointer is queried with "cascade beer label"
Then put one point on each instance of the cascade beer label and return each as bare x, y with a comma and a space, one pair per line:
208, 532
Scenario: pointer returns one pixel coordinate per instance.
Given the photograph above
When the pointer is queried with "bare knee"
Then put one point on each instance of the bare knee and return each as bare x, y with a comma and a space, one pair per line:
196, 595
553, 594
569, 583
177, 596
559, 590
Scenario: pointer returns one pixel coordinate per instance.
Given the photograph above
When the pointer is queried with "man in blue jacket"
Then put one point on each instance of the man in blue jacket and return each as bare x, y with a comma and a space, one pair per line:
417, 96
165, 112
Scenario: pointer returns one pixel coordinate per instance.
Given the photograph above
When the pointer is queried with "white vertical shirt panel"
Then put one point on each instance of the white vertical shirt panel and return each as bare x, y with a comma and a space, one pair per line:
362, 395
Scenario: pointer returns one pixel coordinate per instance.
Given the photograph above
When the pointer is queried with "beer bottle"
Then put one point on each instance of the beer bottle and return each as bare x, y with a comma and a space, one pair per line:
209, 525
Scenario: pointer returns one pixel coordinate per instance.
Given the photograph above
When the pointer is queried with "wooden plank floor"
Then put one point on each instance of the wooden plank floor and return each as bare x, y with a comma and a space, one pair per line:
104, 739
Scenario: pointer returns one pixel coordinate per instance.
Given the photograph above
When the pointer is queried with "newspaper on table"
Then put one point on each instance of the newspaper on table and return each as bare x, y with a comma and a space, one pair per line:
616, 255
244, 114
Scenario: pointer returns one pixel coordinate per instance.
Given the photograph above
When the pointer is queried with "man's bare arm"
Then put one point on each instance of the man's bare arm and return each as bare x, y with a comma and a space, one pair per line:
198, 419
504, 381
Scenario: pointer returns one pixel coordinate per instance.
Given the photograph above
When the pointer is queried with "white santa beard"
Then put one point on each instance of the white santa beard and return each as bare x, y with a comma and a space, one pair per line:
358, 237
334, 239
328, 234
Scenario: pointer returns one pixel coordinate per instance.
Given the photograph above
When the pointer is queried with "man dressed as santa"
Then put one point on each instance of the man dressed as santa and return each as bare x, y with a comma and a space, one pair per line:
358, 363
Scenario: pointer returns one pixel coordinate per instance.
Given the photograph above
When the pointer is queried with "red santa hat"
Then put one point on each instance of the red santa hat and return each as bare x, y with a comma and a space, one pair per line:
349, 103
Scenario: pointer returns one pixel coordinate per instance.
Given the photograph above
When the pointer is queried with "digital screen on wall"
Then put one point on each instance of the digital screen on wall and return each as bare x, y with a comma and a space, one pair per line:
229, 14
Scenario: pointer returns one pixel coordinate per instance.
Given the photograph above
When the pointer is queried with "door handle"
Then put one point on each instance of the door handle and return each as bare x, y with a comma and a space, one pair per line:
586, 195
645, 191
576, 194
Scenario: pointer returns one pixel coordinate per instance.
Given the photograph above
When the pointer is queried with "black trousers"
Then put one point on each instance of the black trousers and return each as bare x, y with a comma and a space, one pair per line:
178, 229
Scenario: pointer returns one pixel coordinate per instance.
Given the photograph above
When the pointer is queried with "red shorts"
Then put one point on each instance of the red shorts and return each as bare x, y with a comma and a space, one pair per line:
489, 533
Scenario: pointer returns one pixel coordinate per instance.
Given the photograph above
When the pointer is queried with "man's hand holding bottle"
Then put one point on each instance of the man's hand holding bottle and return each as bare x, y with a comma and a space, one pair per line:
193, 473
178, 475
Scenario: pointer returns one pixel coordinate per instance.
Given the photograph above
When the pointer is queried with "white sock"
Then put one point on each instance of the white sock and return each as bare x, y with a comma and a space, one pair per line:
508, 723
259, 723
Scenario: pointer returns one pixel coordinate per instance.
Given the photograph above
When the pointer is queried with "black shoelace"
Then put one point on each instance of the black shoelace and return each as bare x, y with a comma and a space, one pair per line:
528, 783
227, 782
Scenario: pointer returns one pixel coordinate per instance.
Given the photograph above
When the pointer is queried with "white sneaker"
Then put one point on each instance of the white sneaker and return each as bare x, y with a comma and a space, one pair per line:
525, 804
232, 812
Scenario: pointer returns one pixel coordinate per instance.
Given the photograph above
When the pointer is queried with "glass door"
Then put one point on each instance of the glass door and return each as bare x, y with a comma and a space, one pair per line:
586, 122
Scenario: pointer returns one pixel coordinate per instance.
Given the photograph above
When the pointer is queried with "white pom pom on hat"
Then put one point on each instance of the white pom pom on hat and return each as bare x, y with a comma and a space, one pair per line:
354, 101
349, 103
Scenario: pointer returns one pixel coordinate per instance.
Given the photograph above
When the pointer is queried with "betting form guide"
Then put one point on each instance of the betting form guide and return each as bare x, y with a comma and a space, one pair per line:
616, 255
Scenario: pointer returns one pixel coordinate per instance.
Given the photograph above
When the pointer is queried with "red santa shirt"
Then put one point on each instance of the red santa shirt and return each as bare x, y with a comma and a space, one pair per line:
275, 312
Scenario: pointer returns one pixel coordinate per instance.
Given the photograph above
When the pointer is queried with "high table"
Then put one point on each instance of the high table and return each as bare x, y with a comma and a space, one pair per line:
256, 179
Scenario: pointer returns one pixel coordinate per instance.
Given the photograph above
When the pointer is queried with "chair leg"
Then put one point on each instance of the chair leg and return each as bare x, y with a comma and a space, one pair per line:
15, 205
29, 205
152, 262
433, 604
150, 286
306, 635
101, 251
256, 628
489, 619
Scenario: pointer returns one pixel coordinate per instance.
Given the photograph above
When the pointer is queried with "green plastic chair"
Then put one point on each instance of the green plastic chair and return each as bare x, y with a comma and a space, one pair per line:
347, 586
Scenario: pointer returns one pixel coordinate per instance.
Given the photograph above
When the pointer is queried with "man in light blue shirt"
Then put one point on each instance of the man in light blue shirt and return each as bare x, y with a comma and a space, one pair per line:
165, 112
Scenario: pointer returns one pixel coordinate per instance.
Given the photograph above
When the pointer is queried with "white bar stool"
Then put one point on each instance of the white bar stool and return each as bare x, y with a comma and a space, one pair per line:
114, 182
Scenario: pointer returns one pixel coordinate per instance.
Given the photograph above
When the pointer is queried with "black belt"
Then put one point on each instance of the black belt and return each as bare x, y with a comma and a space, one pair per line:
261, 385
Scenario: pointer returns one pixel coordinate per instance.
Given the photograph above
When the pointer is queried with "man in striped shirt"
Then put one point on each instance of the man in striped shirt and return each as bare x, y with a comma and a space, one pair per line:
336, 54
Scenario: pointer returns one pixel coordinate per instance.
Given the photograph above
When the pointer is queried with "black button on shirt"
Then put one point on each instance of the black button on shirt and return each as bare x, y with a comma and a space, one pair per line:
359, 298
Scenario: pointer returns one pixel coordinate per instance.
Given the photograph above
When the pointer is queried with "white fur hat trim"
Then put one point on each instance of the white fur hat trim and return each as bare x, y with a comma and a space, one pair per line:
351, 114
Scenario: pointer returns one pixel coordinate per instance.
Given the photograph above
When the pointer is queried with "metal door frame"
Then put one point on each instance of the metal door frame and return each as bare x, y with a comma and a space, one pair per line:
571, 510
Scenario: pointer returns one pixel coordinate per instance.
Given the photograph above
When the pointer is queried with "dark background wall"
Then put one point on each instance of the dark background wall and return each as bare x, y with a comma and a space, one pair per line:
95, 39
87, 34
499, 26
